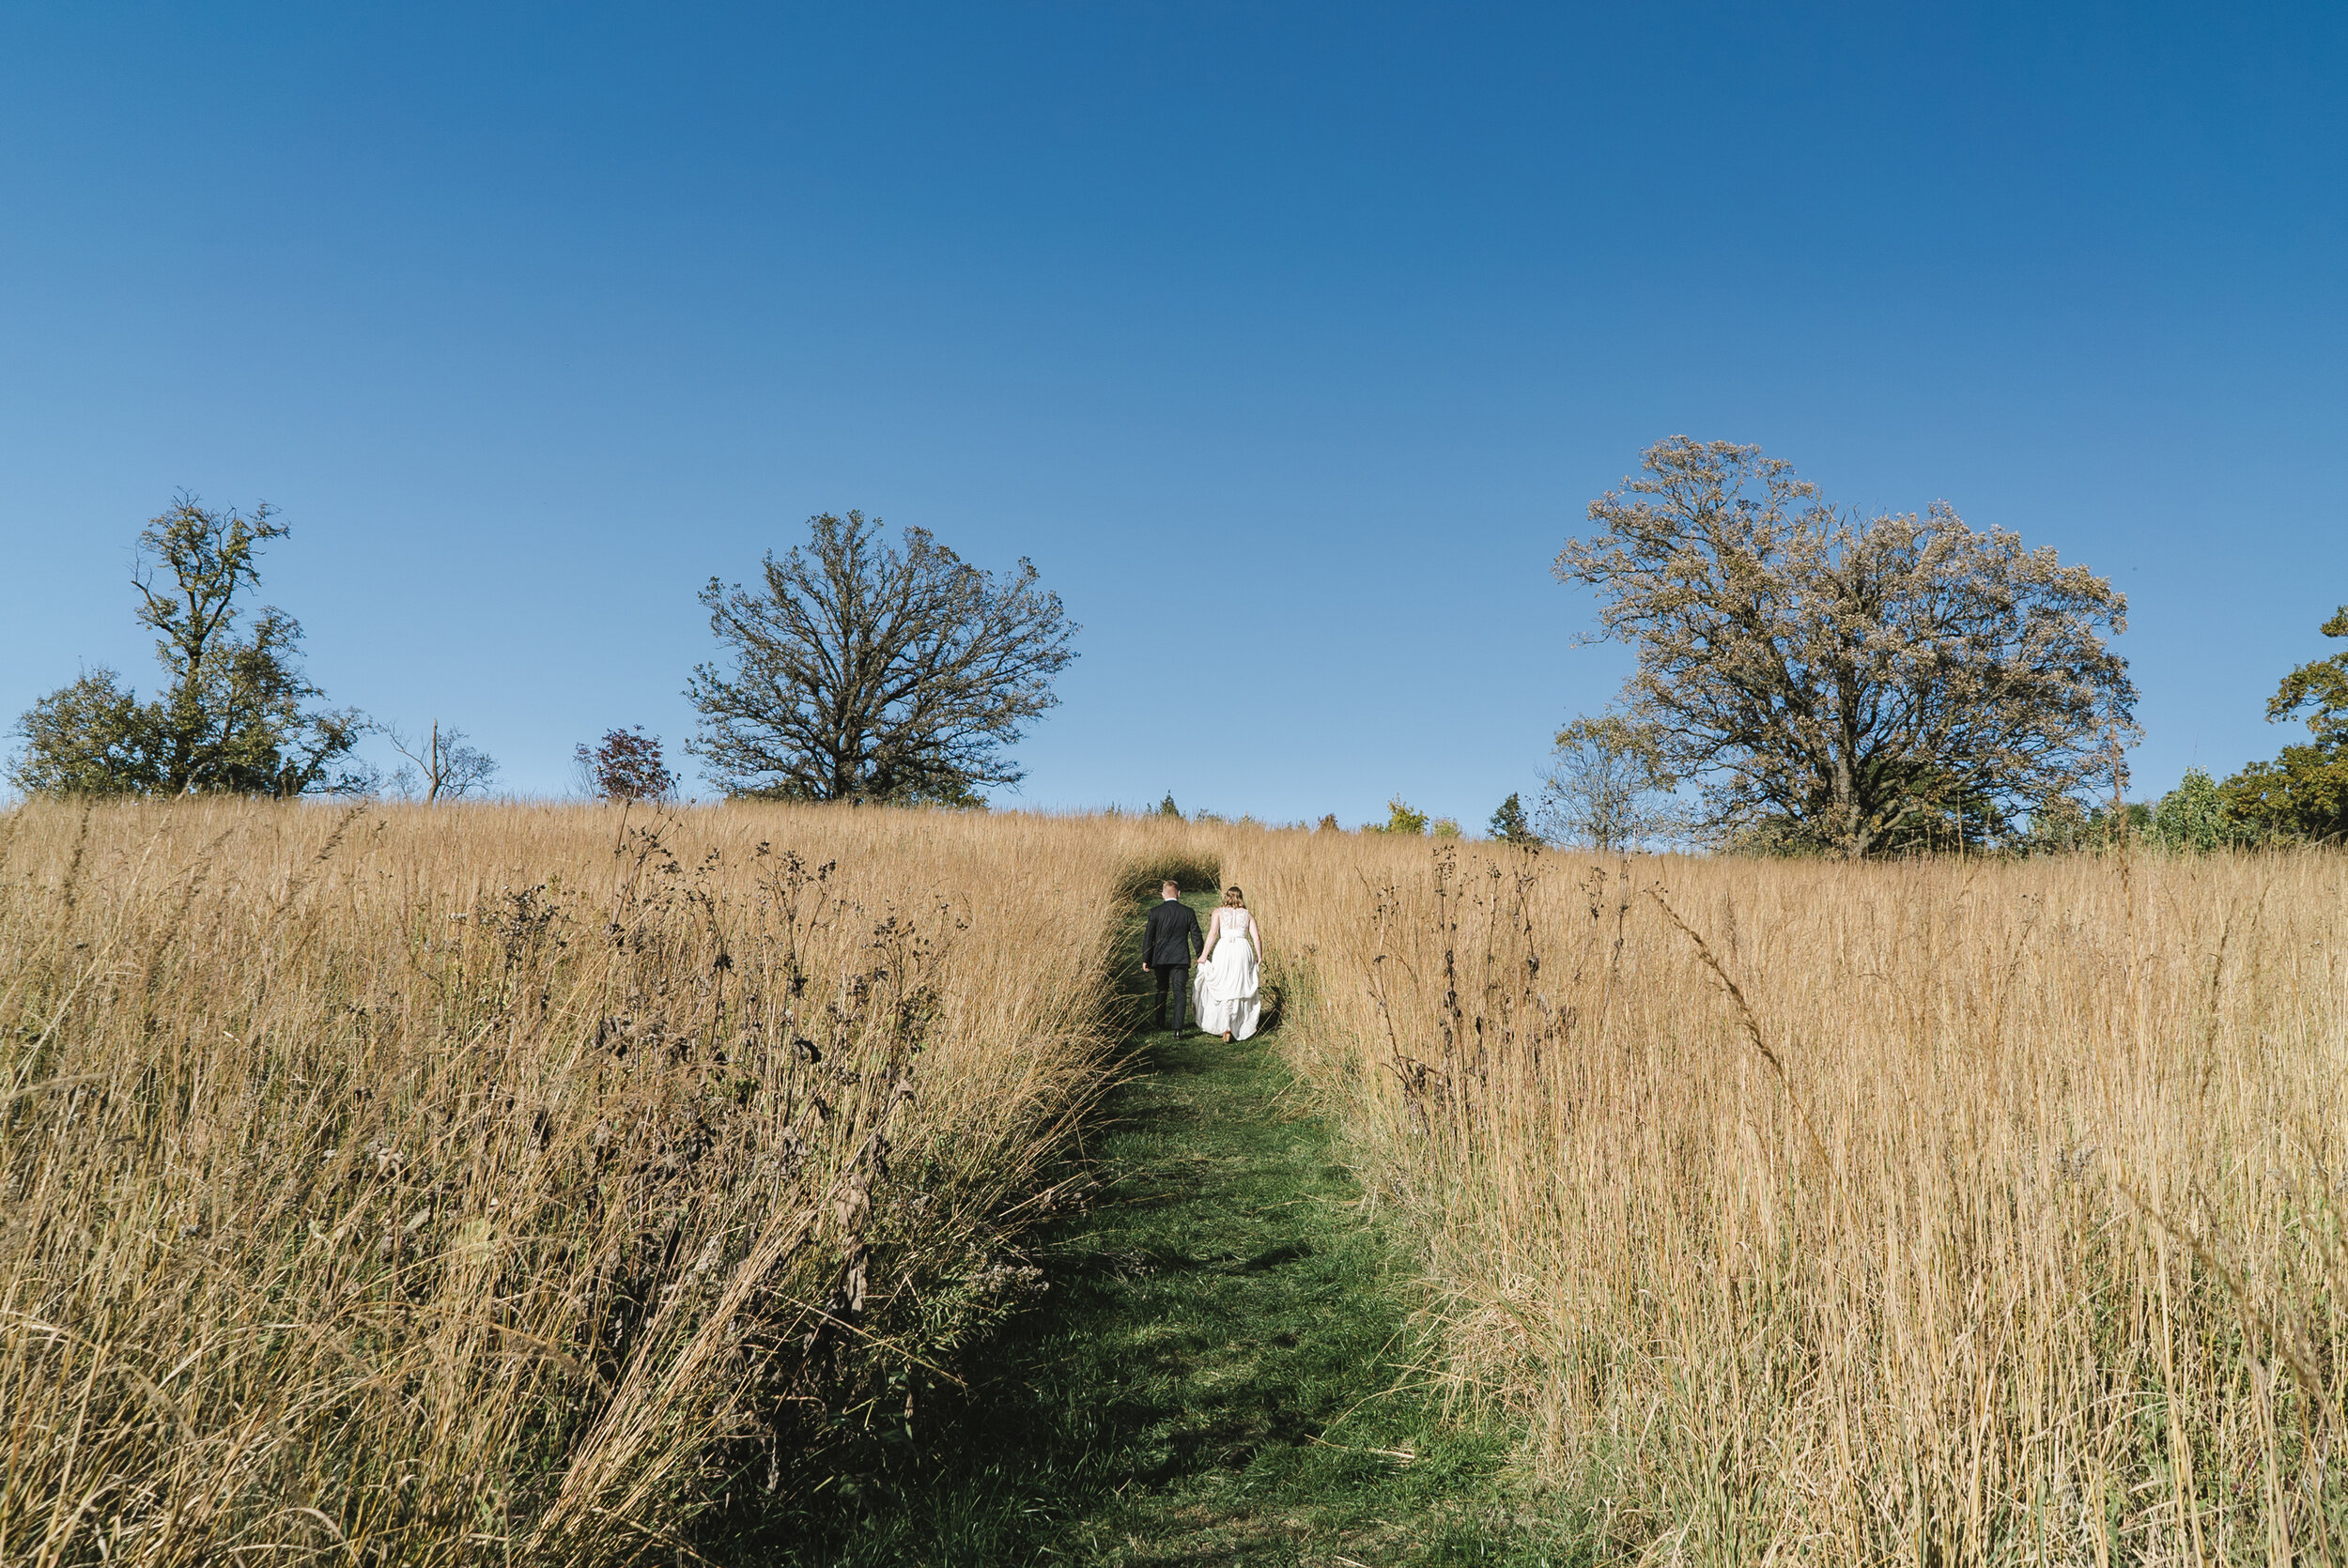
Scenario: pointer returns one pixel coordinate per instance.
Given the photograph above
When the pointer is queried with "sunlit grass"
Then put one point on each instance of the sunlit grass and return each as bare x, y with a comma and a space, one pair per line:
436, 1186
521, 1183
1929, 1212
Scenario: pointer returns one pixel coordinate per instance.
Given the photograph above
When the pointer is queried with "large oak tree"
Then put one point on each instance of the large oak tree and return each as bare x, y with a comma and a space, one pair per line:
1845, 680
863, 671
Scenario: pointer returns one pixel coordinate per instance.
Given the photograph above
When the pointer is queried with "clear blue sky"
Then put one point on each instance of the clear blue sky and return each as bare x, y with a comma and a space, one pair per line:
1290, 340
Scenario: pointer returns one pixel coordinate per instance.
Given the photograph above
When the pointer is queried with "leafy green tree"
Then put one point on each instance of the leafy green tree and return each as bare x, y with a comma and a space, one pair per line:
1402, 819
1168, 809
2193, 818
91, 738
235, 714
2303, 793
1508, 824
1844, 675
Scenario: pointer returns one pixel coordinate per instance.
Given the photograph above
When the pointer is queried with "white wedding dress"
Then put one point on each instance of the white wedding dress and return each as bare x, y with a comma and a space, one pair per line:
1224, 994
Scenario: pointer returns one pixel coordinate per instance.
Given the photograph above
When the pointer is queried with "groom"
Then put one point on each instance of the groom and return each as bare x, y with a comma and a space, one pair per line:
1167, 947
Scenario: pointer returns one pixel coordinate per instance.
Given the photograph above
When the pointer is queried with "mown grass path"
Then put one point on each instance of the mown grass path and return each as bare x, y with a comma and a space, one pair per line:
1221, 1369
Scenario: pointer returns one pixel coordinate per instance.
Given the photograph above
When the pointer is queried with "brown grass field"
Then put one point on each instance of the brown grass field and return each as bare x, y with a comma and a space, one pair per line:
506, 1182
1925, 1214
514, 1183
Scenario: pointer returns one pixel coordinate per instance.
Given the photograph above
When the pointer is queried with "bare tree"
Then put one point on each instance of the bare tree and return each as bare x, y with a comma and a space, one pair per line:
863, 672
441, 762
1608, 788
1849, 678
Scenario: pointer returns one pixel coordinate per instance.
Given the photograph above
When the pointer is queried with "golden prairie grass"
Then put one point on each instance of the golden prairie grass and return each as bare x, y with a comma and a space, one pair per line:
509, 1183
1919, 1213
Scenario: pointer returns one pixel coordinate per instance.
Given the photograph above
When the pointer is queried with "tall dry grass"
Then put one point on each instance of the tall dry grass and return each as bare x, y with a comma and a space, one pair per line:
502, 1184
509, 1184
1925, 1214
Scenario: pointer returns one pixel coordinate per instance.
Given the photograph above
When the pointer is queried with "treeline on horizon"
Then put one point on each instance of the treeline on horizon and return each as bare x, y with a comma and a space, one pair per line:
1810, 680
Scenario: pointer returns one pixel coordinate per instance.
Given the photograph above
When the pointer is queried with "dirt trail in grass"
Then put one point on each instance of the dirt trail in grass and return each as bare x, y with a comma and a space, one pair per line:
1219, 1372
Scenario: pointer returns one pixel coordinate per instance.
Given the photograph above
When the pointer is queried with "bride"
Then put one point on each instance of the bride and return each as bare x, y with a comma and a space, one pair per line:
1223, 996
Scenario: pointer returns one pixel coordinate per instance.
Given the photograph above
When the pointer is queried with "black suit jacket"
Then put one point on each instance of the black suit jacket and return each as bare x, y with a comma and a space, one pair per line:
1173, 934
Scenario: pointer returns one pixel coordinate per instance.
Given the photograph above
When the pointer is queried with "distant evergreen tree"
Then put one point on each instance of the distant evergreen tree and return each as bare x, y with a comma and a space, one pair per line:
1508, 826
1168, 809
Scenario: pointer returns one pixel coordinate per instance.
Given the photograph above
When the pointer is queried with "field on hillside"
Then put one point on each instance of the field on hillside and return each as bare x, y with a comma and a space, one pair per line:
1929, 1213
401, 1185
533, 1184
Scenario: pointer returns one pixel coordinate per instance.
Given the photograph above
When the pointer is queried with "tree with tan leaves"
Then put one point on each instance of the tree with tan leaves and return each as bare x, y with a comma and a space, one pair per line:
1846, 683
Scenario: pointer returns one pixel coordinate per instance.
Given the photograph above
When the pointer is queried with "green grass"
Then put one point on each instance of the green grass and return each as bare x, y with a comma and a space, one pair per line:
1221, 1370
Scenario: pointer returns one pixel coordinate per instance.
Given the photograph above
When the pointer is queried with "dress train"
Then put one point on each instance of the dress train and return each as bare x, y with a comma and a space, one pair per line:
1226, 992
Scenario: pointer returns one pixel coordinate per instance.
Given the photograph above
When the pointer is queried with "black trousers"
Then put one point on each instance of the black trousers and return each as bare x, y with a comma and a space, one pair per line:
1177, 976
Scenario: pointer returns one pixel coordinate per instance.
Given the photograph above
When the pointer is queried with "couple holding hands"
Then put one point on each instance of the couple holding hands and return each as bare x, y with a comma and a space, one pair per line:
1224, 994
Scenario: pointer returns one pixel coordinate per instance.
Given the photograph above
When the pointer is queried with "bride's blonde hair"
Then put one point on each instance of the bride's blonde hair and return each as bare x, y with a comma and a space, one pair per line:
1233, 899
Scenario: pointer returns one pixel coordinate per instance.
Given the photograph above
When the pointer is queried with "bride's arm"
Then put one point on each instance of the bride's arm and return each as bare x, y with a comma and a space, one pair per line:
1214, 930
